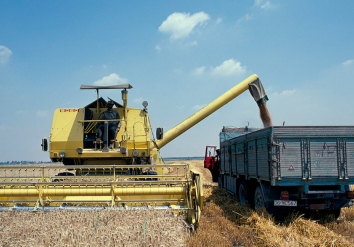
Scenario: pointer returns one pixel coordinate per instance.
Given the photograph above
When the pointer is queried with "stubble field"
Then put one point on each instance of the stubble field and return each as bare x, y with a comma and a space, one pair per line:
224, 222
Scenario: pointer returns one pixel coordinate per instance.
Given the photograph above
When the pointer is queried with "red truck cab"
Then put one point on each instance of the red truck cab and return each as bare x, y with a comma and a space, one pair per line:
211, 161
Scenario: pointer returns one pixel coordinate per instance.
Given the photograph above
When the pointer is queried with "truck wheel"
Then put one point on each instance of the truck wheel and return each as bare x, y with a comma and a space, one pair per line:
336, 213
328, 213
259, 198
221, 181
242, 192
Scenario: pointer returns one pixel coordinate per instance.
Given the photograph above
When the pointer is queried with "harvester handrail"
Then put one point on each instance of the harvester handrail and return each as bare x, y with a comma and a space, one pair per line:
116, 177
94, 176
98, 166
101, 183
101, 120
146, 135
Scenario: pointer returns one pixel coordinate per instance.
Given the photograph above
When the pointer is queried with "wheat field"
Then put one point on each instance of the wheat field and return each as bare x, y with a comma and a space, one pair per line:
224, 222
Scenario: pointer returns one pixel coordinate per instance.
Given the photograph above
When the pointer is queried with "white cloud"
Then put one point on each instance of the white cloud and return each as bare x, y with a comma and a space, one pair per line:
194, 43
3, 127
180, 25
5, 54
180, 107
258, 2
66, 104
284, 93
199, 71
348, 62
246, 17
264, 4
42, 113
219, 20
158, 47
198, 107
112, 79
20, 112
177, 71
228, 68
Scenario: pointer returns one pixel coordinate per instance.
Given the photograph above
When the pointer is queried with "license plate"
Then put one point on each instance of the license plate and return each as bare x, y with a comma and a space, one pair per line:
285, 203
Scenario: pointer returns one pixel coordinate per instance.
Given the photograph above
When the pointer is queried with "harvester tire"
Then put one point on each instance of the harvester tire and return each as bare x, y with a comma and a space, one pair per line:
62, 174
150, 173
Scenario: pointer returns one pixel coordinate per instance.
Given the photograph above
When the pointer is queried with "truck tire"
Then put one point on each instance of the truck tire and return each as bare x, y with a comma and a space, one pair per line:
336, 213
221, 181
259, 200
328, 213
242, 192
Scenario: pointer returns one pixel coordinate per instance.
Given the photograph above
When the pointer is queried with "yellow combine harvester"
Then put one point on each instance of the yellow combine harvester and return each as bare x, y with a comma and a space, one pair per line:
124, 173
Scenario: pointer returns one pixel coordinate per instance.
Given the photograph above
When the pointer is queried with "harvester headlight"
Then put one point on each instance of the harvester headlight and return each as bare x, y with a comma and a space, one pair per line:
79, 150
62, 154
124, 94
123, 150
135, 153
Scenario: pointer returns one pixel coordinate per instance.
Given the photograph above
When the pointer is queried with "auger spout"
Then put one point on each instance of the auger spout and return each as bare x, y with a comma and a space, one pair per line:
212, 107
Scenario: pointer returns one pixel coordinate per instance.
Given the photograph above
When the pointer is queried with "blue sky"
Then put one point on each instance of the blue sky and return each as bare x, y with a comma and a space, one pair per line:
178, 56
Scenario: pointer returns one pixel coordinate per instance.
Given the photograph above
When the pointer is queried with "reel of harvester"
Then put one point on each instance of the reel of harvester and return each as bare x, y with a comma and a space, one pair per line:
119, 187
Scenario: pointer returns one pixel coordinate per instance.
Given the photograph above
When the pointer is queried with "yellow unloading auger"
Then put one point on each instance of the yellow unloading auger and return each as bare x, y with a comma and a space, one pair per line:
128, 175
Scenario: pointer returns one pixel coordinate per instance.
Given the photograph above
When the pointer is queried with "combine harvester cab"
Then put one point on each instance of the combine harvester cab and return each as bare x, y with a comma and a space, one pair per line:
125, 172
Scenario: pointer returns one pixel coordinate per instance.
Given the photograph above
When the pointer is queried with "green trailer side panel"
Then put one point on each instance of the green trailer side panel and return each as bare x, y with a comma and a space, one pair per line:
292, 155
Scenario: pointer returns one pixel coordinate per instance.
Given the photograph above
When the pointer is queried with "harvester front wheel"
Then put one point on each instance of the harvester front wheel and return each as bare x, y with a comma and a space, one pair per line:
67, 162
62, 174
